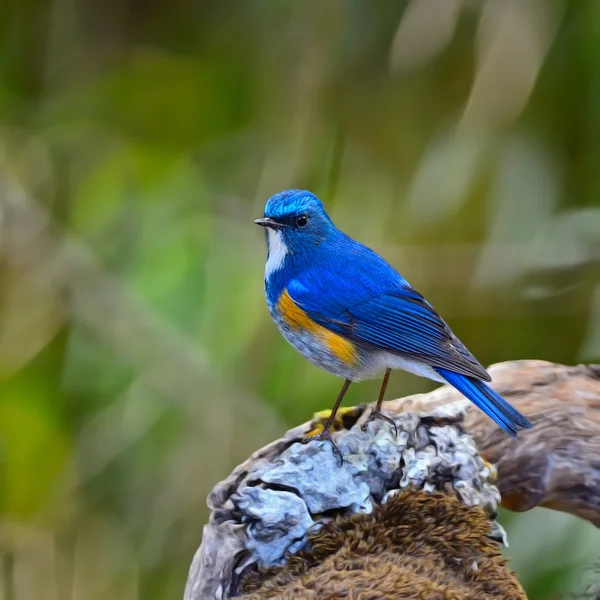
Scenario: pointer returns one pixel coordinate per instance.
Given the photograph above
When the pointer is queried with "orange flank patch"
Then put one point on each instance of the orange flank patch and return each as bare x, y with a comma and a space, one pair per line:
297, 319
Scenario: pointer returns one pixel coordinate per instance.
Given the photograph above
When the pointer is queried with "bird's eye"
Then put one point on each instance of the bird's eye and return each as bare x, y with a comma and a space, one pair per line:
301, 220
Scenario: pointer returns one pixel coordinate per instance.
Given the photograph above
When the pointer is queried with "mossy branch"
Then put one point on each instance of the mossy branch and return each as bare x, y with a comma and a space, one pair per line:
291, 522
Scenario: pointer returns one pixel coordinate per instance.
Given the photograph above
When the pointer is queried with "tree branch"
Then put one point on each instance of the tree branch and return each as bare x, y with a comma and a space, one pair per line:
556, 464
288, 497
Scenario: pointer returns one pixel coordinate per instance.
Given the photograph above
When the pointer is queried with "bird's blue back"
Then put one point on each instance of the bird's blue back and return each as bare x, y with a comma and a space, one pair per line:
349, 289
337, 272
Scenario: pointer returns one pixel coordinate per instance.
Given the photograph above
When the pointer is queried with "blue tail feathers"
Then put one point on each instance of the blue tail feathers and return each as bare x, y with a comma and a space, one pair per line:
489, 401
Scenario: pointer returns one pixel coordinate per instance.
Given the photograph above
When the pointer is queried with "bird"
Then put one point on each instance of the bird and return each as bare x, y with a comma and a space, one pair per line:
348, 311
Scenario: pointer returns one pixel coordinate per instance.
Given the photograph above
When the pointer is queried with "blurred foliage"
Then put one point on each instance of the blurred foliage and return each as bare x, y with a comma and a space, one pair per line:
138, 363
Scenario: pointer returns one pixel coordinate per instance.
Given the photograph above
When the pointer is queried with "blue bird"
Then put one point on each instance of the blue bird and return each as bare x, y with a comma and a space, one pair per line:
345, 309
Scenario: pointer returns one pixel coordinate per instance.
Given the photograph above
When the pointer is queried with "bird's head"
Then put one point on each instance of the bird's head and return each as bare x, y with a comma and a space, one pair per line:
295, 222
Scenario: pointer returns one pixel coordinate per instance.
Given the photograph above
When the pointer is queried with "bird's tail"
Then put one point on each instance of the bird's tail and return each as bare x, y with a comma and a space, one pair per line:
489, 401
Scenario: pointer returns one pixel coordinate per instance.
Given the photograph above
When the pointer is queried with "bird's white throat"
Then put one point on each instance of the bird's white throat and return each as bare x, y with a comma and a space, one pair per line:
277, 252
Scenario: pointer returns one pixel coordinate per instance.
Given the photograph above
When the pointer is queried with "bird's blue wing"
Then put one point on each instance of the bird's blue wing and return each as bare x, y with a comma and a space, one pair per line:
394, 318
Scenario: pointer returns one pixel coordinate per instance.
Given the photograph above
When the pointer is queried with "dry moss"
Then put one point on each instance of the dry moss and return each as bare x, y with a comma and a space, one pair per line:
416, 546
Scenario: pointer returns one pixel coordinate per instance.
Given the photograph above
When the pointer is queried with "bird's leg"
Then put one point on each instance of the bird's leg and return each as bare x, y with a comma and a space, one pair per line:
376, 413
326, 433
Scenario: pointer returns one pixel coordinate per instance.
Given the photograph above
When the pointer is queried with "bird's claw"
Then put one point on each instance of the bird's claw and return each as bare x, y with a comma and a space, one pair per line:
377, 414
325, 435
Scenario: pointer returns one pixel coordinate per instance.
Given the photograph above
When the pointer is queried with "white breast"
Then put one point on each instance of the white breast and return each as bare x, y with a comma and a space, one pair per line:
277, 252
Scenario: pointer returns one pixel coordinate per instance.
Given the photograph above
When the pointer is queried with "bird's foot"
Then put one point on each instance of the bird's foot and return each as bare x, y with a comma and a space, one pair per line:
325, 435
377, 414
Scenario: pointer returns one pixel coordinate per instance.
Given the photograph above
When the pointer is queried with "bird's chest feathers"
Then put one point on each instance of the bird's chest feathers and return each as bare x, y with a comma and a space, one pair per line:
313, 340
277, 253
281, 264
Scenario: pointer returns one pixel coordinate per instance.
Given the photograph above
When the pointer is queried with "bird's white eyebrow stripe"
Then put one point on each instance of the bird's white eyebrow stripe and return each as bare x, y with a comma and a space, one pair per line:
277, 252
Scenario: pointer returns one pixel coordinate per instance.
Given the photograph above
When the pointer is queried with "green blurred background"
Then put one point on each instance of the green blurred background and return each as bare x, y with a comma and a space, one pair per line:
138, 141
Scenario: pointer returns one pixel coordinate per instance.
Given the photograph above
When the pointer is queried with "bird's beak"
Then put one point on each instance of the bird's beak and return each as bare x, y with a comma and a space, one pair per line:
267, 222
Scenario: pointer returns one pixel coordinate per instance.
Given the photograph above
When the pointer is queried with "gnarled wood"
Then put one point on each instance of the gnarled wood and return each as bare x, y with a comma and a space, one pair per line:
556, 464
